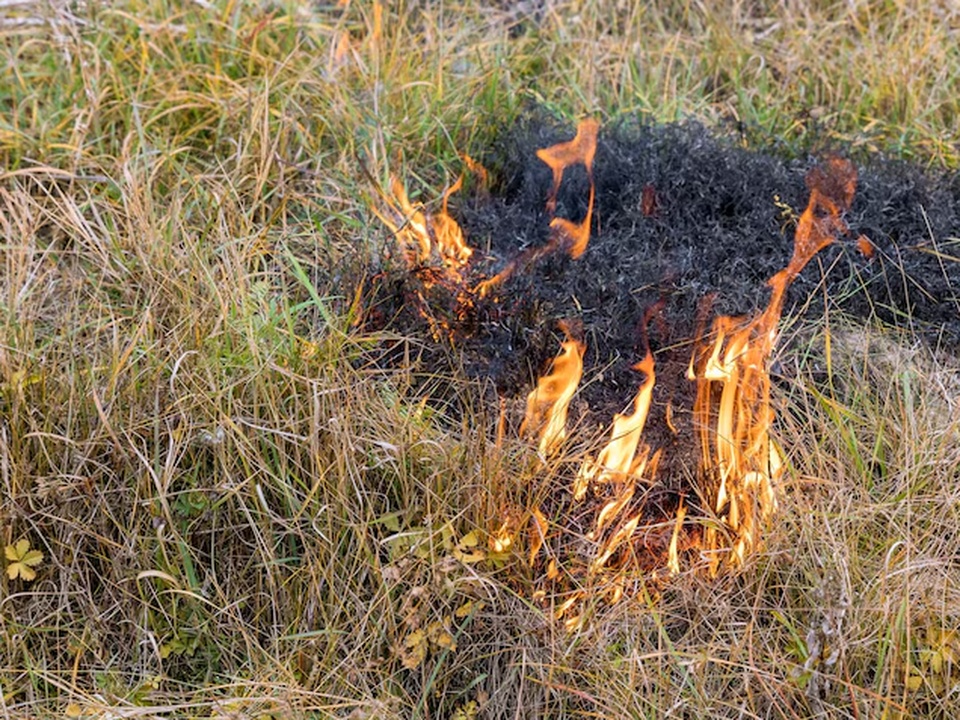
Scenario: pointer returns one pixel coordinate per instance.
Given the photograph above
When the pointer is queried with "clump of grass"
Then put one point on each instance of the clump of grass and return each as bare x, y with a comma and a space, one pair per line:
240, 514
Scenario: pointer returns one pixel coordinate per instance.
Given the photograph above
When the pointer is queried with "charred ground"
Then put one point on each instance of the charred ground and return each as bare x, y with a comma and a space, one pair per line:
684, 216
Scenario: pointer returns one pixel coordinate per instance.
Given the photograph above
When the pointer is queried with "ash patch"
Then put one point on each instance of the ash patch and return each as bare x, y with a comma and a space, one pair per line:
722, 224
685, 216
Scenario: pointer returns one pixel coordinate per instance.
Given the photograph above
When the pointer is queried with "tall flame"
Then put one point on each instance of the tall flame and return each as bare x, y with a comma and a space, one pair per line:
617, 459
548, 403
732, 408
740, 464
566, 235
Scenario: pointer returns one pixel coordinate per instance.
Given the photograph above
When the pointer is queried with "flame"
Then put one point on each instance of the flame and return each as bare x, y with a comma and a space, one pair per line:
673, 557
547, 404
423, 236
450, 242
559, 157
572, 236
407, 223
732, 407
739, 464
483, 177
617, 459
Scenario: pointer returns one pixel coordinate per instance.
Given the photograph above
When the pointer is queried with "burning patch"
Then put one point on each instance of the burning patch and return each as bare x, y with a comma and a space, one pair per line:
617, 522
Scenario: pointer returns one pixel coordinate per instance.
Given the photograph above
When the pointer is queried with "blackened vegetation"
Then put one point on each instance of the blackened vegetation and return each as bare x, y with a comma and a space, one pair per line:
683, 216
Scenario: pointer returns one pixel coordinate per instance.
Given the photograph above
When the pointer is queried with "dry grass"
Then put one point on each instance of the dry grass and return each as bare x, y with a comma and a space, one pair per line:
241, 517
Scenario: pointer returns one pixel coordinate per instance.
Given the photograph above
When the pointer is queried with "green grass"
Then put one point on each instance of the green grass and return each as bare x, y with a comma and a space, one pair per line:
242, 516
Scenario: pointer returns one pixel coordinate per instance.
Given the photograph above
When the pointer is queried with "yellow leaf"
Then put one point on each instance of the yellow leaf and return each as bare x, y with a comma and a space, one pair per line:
936, 662
32, 558
446, 640
439, 636
446, 535
24, 571
467, 550
468, 607
414, 649
936, 683
469, 557
467, 711
914, 682
73, 711
21, 560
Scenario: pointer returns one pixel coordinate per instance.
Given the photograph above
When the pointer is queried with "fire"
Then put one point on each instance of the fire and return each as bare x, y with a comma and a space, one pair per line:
617, 460
739, 464
572, 237
548, 403
450, 242
739, 460
422, 236
581, 150
626, 516
436, 254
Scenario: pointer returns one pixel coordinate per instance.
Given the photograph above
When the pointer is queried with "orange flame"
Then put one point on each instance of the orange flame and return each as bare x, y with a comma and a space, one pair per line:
567, 235
559, 157
740, 463
581, 149
407, 223
422, 236
547, 404
736, 448
450, 242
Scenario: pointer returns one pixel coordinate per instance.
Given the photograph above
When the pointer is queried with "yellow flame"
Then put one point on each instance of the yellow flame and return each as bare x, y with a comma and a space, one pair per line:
617, 459
422, 236
450, 242
622, 535
547, 404
673, 558
732, 407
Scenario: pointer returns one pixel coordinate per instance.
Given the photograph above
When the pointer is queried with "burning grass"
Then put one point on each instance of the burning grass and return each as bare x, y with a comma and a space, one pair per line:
218, 500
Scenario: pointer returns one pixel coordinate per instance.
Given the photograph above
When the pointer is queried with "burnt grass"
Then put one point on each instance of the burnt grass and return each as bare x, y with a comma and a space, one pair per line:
684, 217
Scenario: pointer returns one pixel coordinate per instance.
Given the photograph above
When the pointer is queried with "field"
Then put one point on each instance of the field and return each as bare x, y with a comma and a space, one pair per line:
216, 500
